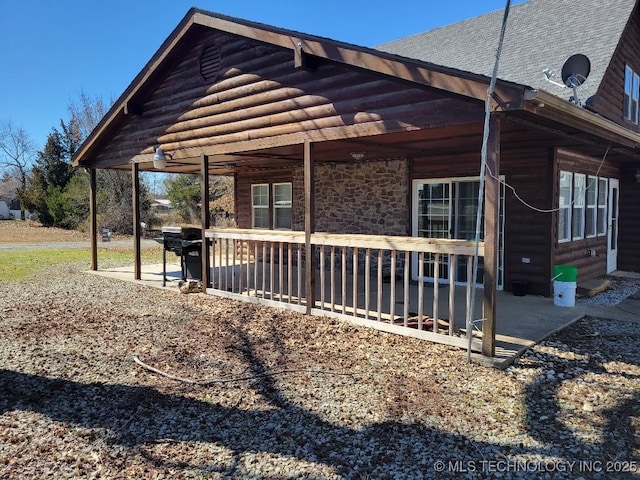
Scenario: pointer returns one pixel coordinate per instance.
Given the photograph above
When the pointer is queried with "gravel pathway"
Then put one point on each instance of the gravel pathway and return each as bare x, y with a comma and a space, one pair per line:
289, 396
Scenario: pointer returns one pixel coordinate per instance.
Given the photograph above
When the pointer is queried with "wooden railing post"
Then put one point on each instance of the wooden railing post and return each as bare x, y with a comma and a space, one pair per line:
135, 201
309, 224
93, 218
206, 220
491, 223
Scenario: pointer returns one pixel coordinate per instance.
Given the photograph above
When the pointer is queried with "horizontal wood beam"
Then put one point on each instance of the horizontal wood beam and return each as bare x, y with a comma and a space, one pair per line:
132, 109
385, 242
303, 60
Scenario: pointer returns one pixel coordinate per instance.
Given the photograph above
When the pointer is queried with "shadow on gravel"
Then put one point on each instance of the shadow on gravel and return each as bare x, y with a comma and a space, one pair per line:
586, 350
137, 416
134, 416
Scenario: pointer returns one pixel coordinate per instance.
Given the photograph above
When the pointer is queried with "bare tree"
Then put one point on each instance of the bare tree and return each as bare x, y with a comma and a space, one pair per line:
85, 113
9, 185
17, 152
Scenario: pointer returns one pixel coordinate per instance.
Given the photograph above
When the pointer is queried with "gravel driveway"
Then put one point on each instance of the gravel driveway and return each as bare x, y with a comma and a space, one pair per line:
281, 395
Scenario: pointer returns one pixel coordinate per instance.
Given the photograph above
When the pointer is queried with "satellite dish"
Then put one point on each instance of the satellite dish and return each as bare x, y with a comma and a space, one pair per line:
576, 70
574, 73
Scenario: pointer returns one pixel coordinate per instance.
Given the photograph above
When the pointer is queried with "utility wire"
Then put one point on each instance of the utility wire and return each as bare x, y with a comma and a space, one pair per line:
542, 210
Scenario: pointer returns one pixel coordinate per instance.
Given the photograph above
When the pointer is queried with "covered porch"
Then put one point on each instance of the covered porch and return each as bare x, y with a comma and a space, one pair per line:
350, 131
521, 321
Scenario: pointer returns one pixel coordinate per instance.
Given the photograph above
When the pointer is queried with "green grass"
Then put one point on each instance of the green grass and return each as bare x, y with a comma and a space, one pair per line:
26, 265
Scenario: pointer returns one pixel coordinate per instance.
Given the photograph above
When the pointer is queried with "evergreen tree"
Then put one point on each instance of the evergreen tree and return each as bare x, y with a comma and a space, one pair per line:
49, 176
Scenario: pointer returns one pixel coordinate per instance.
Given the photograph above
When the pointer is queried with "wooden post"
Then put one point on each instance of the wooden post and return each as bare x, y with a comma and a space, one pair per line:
135, 201
491, 229
309, 224
205, 220
93, 218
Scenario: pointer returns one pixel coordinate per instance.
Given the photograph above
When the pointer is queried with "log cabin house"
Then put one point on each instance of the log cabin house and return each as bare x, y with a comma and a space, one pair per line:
358, 170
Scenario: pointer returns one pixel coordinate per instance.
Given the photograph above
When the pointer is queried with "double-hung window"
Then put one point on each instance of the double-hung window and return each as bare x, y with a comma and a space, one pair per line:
582, 206
564, 207
260, 206
591, 214
631, 94
271, 206
579, 183
602, 206
282, 206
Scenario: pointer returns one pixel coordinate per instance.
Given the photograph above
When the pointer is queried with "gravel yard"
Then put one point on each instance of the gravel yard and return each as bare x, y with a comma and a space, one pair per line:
281, 395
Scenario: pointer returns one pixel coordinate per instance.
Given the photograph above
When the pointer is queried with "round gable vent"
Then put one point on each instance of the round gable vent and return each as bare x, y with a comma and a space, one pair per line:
210, 60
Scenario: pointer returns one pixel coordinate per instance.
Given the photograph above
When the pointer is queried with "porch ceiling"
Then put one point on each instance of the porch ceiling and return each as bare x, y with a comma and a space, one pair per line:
519, 130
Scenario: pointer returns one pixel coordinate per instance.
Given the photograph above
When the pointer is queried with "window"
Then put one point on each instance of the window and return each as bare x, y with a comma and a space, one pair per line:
631, 94
591, 213
582, 206
271, 206
564, 207
602, 206
578, 205
447, 208
260, 206
282, 206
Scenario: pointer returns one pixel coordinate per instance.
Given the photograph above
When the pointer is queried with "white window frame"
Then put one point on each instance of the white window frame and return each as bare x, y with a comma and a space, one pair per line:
631, 94
451, 219
261, 207
579, 192
277, 207
565, 209
591, 207
603, 202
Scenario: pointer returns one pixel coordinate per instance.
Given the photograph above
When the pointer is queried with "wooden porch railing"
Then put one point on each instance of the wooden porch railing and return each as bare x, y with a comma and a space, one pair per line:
361, 278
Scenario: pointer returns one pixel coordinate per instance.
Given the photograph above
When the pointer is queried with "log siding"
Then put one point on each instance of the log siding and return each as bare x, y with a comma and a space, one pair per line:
258, 94
609, 99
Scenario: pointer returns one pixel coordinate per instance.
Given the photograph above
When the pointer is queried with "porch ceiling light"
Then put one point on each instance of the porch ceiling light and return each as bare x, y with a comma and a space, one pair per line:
160, 159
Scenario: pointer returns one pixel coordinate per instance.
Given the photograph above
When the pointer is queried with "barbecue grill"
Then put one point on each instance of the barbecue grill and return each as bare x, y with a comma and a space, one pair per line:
186, 243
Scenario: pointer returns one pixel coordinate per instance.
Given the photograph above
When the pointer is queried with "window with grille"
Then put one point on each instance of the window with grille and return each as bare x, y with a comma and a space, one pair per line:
260, 206
271, 206
631, 94
564, 206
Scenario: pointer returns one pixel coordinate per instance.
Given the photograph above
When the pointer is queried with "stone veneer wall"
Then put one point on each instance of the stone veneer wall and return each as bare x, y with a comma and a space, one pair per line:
364, 197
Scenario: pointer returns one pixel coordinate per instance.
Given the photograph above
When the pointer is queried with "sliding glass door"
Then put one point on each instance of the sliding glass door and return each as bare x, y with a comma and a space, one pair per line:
447, 209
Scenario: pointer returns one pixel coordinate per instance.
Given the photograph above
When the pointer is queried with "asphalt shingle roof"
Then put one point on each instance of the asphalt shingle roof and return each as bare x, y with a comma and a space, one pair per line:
540, 34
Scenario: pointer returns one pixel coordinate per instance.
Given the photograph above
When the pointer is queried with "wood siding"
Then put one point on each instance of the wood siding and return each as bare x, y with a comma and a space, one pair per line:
243, 193
259, 100
610, 96
527, 232
575, 252
629, 223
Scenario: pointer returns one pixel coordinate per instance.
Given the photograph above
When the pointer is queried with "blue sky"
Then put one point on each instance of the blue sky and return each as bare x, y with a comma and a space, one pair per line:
51, 50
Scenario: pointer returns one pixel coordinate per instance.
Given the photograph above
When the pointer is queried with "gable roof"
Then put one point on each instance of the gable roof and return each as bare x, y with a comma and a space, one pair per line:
467, 84
540, 34
404, 60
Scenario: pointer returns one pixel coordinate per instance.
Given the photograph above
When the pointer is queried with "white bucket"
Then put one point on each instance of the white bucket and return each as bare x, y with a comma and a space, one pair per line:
564, 294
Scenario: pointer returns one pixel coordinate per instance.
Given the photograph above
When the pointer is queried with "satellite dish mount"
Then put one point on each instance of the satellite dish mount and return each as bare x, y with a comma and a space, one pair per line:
575, 72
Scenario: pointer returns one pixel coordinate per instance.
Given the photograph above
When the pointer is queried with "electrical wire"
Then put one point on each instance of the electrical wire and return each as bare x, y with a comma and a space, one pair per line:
542, 210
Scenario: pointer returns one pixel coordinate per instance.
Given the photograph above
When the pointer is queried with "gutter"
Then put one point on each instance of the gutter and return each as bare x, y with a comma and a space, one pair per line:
544, 104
